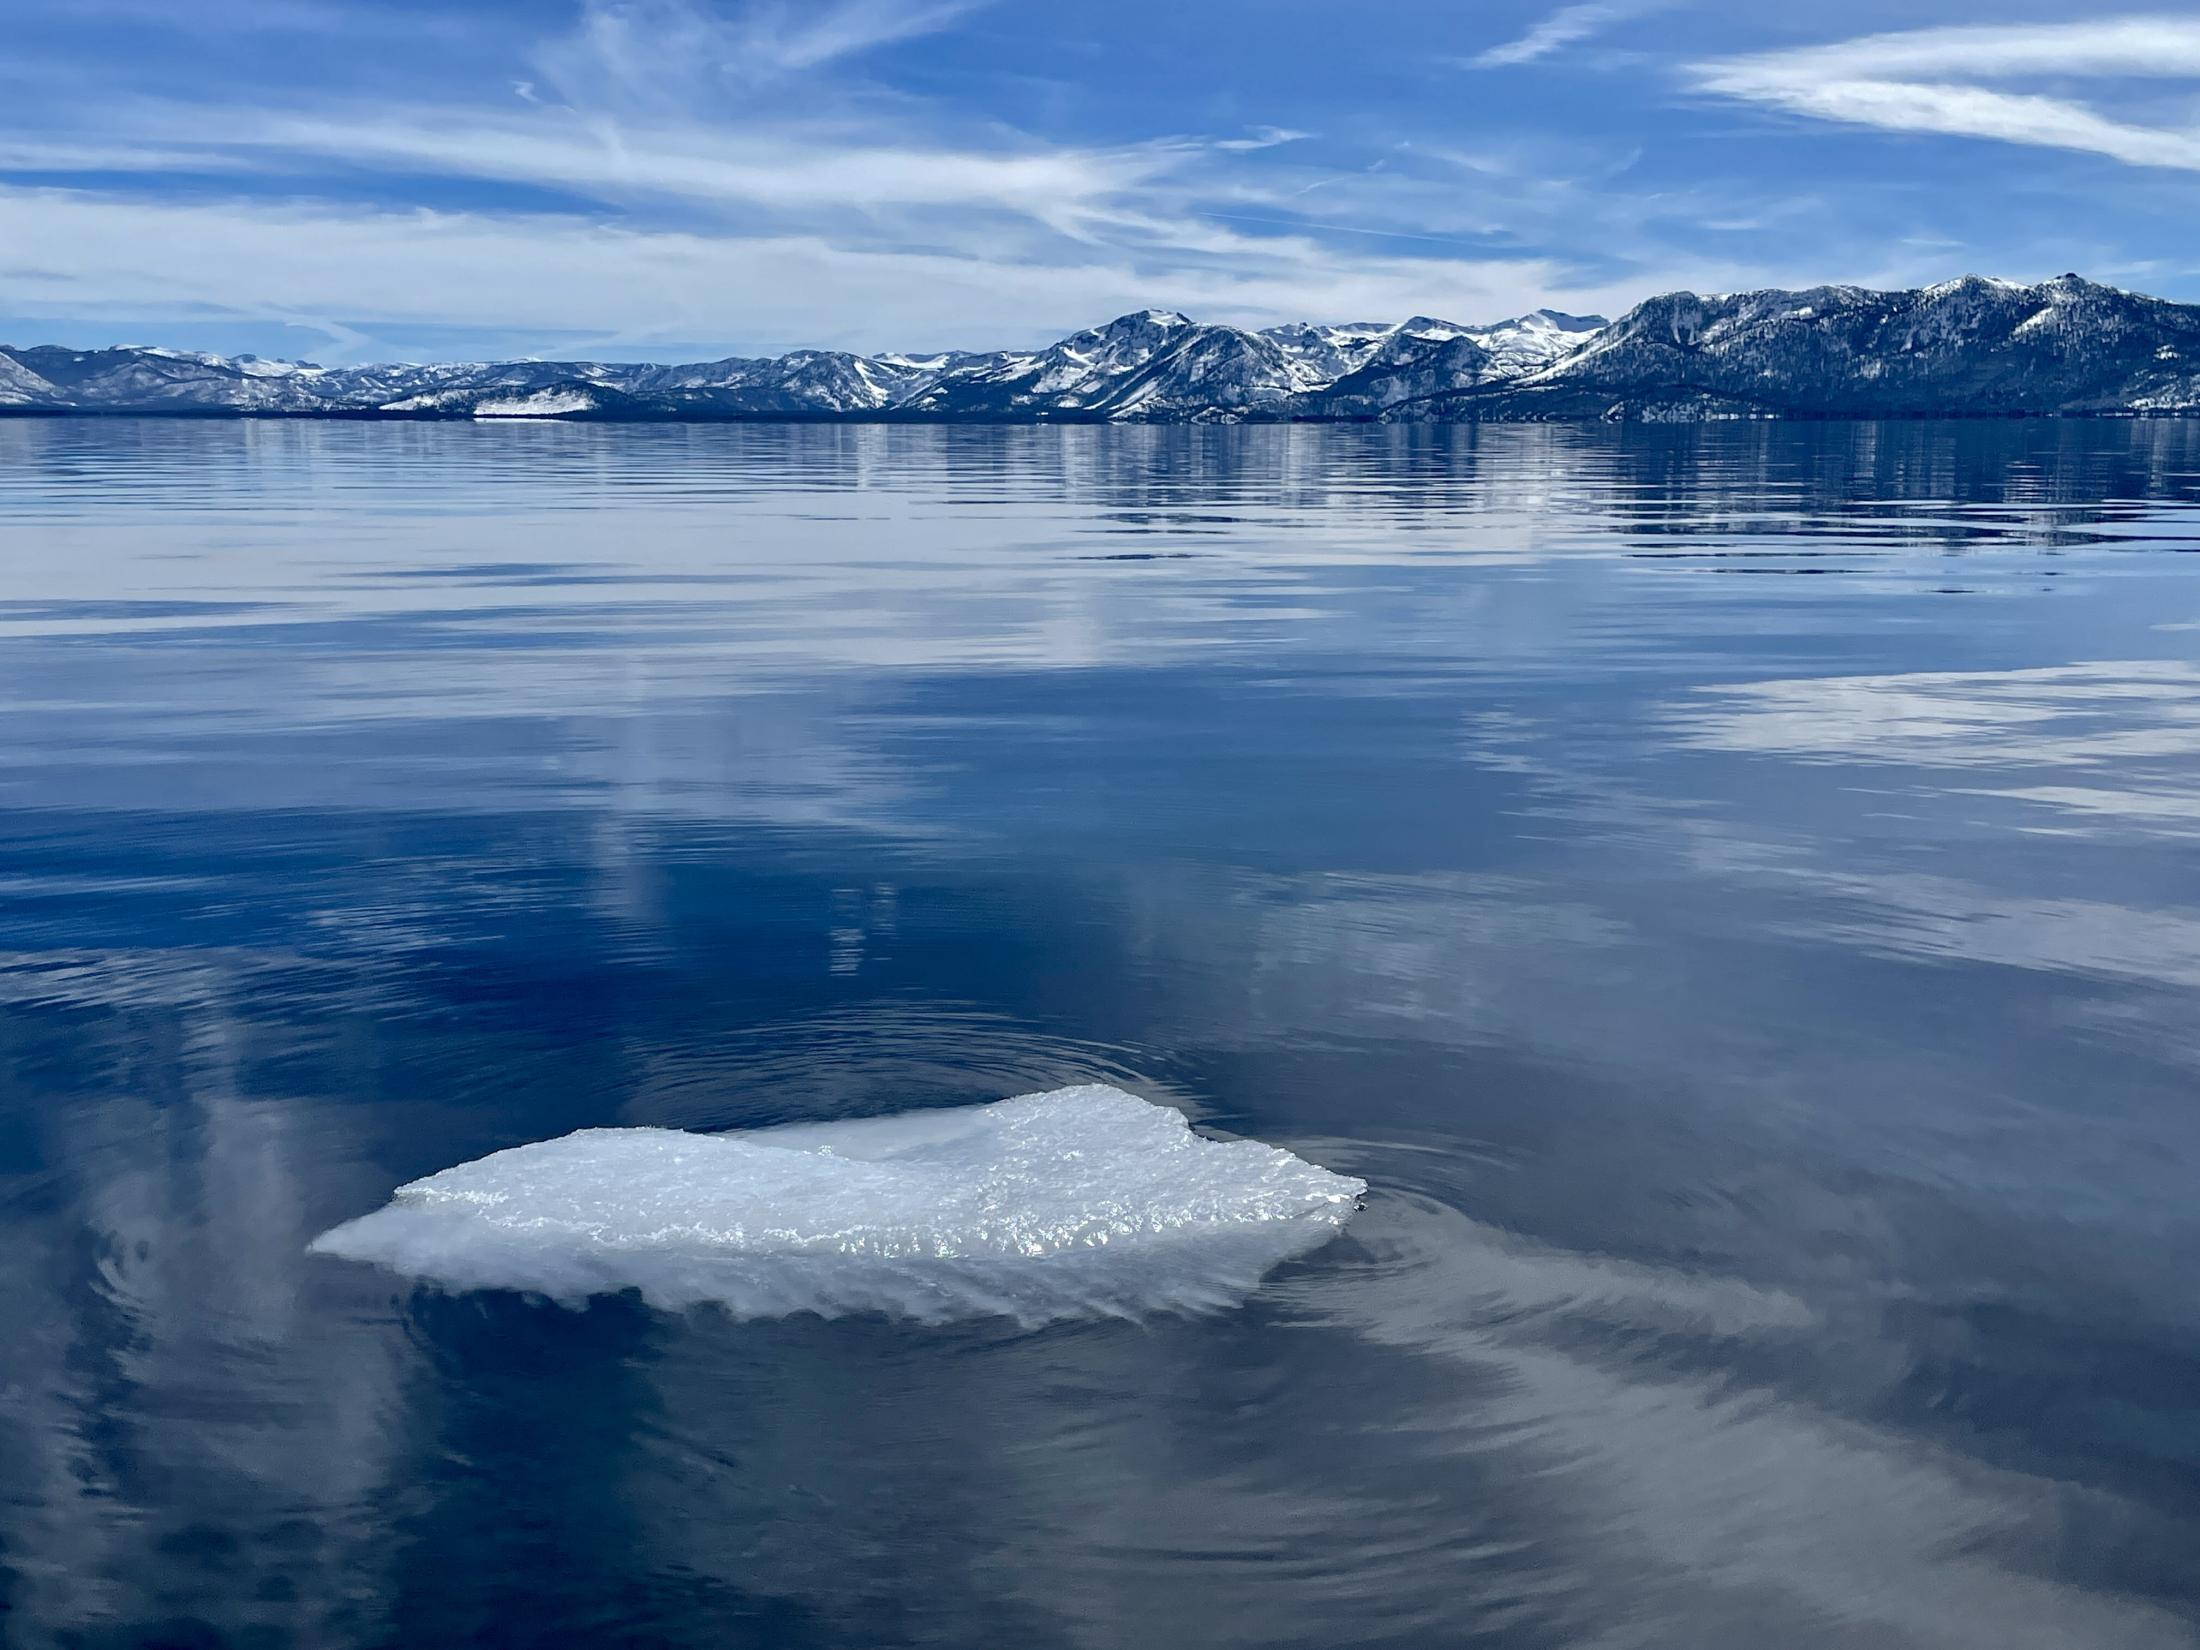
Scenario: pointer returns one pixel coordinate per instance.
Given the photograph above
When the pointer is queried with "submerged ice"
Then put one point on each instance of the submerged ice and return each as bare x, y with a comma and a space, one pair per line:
1081, 1201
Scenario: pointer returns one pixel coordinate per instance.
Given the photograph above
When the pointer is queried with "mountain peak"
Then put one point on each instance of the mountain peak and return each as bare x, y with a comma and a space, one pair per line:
1166, 319
1971, 284
1566, 322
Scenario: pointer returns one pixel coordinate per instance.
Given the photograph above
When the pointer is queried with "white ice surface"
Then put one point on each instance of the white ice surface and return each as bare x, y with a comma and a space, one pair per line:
1079, 1202
537, 404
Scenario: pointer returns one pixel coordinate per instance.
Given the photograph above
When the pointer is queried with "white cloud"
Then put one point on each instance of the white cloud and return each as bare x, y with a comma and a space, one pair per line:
1264, 137
750, 231
1927, 80
802, 37
2107, 46
660, 53
71, 254
1564, 27
784, 168
702, 176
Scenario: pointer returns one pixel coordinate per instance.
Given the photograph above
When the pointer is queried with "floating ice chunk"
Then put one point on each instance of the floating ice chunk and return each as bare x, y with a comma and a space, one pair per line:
1079, 1202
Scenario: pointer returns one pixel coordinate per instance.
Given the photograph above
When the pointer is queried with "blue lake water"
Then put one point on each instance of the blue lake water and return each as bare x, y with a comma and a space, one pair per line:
1731, 892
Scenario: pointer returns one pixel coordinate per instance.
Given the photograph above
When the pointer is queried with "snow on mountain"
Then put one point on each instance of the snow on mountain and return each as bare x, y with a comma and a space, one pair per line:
700, 375
820, 381
1322, 355
21, 387
1150, 365
1533, 341
1212, 373
158, 378
1968, 346
1964, 346
551, 403
1158, 365
1416, 358
1079, 375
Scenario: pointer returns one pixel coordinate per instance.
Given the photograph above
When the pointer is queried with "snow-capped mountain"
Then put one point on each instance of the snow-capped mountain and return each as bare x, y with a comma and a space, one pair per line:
1533, 341
1081, 374
1326, 354
1152, 366
164, 379
1970, 346
1159, 366
21, 387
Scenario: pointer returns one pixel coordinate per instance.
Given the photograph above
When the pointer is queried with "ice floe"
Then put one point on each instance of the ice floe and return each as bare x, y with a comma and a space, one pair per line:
1079, 1202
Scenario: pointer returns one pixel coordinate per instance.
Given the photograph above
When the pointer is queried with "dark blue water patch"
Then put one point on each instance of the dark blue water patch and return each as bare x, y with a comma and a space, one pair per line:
1762, 1008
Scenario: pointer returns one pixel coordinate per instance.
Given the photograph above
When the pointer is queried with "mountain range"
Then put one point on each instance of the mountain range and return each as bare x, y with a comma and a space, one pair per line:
1968, 347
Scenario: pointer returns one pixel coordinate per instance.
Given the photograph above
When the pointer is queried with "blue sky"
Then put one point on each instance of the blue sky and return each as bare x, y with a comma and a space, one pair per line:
629, 179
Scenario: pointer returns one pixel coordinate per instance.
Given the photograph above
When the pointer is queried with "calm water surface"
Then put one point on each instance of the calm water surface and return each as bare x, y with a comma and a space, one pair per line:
1733, 893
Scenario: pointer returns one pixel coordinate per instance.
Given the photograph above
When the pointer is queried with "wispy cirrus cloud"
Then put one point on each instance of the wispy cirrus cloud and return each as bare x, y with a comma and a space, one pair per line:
1567, 26
1957, 82
1263, 137
651, 52
728, 233
789, 37
634, 194
753, 174
361, 274
780, 167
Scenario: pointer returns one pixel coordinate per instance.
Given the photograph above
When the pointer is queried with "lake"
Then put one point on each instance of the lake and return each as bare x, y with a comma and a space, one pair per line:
1730, 891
